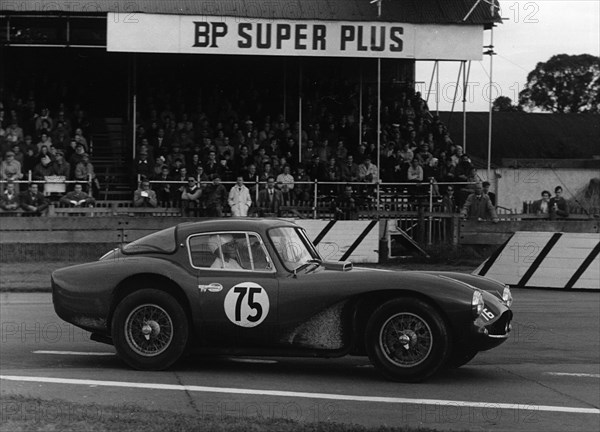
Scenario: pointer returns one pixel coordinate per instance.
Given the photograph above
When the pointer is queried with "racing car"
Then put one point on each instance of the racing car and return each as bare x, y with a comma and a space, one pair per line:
259, 287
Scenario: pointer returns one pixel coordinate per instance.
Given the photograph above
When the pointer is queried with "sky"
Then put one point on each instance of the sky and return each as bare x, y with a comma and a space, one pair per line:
532, 32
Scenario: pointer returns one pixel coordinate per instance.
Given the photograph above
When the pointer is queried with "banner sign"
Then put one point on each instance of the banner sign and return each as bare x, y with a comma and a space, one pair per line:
153, 33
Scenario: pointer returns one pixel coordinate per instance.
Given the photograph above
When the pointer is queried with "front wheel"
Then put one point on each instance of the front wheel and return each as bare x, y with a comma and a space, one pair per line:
407, 340
150, 330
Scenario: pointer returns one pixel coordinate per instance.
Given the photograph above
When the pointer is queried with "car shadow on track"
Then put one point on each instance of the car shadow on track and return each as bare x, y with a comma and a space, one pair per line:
355, 369
351, 369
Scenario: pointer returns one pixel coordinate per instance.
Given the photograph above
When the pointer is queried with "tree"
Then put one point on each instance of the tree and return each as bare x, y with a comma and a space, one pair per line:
564, 84
505, 104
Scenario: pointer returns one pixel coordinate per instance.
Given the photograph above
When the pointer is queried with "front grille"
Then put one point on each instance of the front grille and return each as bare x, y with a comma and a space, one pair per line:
501, 326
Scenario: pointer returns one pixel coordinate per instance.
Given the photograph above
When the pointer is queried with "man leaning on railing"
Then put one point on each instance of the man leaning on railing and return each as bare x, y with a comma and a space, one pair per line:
478, 206
190, 197
33, 202
77, 198
345, 206
9, 199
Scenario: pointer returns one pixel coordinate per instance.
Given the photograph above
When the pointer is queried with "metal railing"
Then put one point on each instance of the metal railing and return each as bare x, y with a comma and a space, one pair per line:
376, 192
49, 180
415, 205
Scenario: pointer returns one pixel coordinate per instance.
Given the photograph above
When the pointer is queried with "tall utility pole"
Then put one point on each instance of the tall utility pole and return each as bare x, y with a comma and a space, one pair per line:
491, 53
378, 130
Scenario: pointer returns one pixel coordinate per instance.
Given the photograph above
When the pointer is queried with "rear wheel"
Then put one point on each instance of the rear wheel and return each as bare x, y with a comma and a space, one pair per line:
150, 330
407, 340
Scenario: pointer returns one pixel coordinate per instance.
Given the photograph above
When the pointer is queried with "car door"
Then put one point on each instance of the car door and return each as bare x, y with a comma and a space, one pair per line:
238, 289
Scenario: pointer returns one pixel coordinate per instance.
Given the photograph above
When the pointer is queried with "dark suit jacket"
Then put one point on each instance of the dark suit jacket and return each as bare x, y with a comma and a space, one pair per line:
37, 200
267, 205
562, 209
5, 200
536, 207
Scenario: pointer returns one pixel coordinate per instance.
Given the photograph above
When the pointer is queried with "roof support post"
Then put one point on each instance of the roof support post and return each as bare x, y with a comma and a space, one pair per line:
435, 66
360, 101
284, 89
491, 53
437, 88
466, 73
300, 110
133, 81
378, 127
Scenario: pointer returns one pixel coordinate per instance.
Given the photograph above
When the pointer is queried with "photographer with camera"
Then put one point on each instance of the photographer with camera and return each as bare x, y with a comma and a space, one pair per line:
144, 196
559, 208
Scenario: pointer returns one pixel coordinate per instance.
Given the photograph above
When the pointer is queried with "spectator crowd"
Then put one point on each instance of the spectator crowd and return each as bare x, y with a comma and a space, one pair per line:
37, 146
185, 156
36, 143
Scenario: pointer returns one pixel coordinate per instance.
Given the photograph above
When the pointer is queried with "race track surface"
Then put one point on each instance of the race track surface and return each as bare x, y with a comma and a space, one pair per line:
545, 378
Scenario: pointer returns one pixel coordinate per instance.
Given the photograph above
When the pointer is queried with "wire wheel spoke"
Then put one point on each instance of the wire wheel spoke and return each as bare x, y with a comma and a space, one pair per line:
149, 330
406, 339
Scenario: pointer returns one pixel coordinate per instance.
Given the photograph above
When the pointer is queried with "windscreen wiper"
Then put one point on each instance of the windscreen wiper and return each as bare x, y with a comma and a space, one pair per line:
308, 263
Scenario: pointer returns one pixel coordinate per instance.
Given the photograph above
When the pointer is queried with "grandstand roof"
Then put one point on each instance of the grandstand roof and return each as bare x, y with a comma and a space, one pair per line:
519, 135
406, 11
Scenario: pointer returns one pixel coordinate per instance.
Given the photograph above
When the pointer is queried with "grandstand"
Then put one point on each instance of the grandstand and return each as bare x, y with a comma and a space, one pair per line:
127, 92
168, 90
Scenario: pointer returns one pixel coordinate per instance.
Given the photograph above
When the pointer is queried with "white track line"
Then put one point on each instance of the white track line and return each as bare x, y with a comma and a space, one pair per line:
79, 353
339, 397
586, 375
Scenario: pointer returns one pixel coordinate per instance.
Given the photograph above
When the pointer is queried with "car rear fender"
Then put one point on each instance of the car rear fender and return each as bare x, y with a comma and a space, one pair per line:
149, 280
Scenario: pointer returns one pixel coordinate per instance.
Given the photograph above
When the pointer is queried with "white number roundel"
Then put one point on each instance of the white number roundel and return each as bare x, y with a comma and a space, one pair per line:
247, 304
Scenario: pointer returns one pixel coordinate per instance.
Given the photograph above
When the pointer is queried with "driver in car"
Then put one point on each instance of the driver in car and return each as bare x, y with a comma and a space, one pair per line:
231, 258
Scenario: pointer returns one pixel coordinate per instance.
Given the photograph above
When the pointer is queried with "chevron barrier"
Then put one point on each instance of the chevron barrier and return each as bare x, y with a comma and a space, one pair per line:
546, 260
356, 241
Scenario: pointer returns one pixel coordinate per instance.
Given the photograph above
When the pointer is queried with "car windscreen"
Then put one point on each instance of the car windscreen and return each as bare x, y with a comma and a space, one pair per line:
292, 246
159, 242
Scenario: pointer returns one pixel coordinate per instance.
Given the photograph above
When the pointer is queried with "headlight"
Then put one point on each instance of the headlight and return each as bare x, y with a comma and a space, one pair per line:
477, 303
507, 296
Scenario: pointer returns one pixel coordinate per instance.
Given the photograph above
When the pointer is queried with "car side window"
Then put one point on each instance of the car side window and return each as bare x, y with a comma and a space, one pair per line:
260, 258
229, 251
238, 251
201, 252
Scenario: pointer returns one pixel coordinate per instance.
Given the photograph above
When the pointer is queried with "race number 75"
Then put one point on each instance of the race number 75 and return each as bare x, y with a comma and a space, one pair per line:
247, 304
251, 303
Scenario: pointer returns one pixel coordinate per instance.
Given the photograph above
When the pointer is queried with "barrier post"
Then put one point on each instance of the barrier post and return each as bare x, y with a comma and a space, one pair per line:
315, 199
421, 221
455, 230
257, 183
378, 193
430, 231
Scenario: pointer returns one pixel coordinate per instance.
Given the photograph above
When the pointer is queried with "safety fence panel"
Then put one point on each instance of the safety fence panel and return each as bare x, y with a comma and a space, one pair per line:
356, 241
546, 260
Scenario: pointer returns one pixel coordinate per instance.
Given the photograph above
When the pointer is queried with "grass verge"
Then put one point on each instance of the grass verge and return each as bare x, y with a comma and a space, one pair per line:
27, 414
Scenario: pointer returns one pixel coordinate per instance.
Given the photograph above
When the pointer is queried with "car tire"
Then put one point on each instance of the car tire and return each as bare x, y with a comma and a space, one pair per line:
150, 330
407, 340
460, 358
